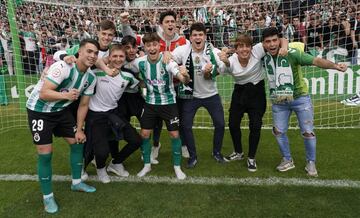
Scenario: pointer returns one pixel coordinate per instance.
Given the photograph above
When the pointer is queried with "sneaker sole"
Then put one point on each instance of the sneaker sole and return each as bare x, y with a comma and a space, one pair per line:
289, 168
111, 170
252, 170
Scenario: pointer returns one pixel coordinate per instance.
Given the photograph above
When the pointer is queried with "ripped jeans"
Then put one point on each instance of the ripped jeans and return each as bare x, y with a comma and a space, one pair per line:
304, 111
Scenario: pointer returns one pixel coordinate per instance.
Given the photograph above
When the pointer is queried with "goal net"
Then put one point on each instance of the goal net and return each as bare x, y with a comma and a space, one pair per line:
31, 31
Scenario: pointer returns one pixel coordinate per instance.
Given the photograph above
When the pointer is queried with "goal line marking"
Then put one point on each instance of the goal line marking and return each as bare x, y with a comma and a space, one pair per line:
250, 181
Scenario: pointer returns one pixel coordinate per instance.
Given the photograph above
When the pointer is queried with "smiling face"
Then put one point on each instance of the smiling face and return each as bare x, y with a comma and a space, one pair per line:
130, 51
243, 51
117, 58
169, 26
153, 50
105, 37
197, 39
88, 55
272, 44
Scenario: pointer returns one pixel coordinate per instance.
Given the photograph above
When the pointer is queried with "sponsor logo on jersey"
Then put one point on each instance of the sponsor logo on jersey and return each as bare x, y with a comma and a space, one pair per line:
156, 82
64, 90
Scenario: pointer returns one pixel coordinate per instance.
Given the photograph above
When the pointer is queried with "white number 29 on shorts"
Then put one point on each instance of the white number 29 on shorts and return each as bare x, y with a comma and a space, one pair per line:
37, 125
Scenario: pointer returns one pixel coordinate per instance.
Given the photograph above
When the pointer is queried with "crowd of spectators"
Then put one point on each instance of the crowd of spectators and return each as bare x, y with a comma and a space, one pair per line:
45, 27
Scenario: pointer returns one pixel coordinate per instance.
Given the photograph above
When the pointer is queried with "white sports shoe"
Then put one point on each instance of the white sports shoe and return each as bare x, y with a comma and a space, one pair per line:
145, 170
155, 151
84, 175
179, 173
102, 175
185, 152
352, 101
118, 169
311, 169
153, 161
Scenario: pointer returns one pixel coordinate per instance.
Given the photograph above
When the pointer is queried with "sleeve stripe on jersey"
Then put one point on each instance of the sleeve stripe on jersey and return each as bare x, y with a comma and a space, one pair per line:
52, 81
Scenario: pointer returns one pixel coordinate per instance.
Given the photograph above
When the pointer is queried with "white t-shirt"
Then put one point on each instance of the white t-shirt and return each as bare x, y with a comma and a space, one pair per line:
252, 73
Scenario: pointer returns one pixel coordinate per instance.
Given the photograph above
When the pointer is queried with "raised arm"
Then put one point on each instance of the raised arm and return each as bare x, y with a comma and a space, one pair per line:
323, 63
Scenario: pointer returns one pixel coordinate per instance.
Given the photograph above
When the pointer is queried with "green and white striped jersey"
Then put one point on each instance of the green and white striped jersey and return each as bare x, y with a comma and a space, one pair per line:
158, 79
110, 89
65, 77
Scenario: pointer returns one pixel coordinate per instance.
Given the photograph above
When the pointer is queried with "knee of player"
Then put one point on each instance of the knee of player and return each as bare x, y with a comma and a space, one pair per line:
276, 132
145, 134
308, 135
219, 125
174, 134
255, 126
44, 149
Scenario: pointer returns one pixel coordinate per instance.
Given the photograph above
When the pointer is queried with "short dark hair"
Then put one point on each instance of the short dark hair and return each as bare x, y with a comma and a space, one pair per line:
197, 27
166, 13
91, 41
151, 37
107, 25
271, 31
128, 40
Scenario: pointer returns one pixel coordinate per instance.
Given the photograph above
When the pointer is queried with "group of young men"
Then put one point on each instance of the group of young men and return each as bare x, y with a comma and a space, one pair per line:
93, 107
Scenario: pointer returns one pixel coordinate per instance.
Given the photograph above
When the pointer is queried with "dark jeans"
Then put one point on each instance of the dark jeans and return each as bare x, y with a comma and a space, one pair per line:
250, 99
99, 131
214, 107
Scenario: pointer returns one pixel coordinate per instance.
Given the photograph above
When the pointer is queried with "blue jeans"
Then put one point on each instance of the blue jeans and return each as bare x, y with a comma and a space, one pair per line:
304, 111
214, 107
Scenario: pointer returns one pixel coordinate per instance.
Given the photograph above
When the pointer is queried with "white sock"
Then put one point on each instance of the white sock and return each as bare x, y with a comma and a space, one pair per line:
145, 170
76, 181
179, 173
49, 195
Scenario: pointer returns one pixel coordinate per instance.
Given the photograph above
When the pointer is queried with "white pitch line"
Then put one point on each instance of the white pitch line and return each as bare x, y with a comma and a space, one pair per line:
250, 181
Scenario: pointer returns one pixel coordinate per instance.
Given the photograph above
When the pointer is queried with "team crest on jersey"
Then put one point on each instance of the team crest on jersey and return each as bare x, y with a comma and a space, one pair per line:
122, 85
197, 60
86, 84
162, 71
56, 73
36, 137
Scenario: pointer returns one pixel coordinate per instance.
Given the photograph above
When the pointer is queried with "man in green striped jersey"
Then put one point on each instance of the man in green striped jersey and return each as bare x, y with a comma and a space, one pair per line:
48, 114
160, 100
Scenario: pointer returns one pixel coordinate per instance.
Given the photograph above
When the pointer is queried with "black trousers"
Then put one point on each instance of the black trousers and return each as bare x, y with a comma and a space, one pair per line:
99, 132
250, 99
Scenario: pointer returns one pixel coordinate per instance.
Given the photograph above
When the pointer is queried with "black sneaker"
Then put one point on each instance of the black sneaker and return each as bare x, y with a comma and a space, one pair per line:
251, 165
219, 158
191, 162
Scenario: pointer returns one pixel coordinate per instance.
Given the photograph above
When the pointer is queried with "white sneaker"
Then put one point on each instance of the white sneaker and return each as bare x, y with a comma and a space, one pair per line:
185, 152
153, 161
118, 169
352, 101
102, 175
311, 169
84, 175
145, 170
155, 151
179, 173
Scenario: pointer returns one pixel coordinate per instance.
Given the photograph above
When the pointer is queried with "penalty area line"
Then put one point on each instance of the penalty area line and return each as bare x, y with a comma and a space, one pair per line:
249, 181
